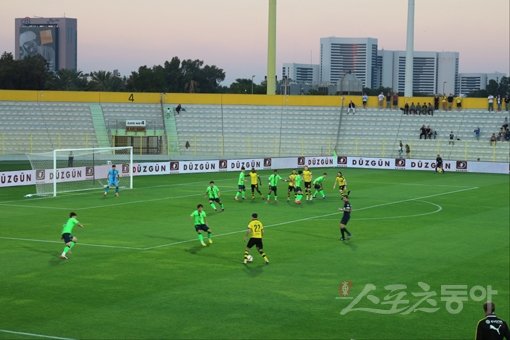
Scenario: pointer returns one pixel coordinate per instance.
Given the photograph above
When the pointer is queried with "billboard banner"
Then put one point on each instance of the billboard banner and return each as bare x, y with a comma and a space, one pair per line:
45, 176
39, 40
189, 167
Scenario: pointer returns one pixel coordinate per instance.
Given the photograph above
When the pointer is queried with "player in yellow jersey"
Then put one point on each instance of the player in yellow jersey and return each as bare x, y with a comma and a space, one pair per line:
255, 231
291, 180
255, 183
307, 178
342, 184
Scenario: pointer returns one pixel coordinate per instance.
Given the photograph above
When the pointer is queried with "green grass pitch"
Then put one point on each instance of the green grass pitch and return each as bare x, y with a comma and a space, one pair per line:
138, 271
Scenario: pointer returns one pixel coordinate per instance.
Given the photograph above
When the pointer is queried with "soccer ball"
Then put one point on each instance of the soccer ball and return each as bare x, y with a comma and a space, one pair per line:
249, 258
298, 202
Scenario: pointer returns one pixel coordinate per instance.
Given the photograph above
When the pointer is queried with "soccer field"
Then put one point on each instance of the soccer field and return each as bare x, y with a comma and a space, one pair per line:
139, 272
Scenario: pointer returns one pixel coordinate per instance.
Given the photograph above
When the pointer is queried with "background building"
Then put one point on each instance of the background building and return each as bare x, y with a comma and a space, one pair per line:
471, 82
339, 56
301, 73
433, 72
53, 38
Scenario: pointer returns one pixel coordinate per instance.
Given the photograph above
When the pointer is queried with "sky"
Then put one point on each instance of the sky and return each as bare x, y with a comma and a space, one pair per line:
232, 34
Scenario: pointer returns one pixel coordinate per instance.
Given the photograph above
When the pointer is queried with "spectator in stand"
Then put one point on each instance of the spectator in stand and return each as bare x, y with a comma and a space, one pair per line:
408, 151
430, 109
450, 102
458, 103
434, 134
505, 123
443, 103
428, 132
452, 139
418, 108
395, 101
380, 99
423, 131
436, 102
490, 101
406, 109
388, 100
499, 102
493, 139
364, 98
412, 109
351, 108
424, 109
477, 133
179, 108
501, 134
400, 149
507, 102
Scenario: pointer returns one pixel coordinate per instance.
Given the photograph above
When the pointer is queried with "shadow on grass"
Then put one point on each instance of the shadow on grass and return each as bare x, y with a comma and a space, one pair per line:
350, 244
195, 249
253, 270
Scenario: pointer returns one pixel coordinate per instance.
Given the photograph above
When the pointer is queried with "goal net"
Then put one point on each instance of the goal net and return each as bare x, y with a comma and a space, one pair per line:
70, 170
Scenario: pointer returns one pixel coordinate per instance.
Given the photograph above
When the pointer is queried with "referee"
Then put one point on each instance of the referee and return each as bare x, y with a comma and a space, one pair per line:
491, 327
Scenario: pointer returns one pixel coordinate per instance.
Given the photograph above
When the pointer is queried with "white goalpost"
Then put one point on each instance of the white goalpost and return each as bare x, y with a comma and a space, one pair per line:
71, 170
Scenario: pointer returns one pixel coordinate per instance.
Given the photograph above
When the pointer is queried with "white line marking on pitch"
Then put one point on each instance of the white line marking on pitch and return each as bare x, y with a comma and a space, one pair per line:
35, 335
80, 243
108, 205
439, 208
316, 217
241, 231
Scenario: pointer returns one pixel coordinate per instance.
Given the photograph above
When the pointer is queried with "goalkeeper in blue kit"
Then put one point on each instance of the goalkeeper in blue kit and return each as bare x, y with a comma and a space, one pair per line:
113, 181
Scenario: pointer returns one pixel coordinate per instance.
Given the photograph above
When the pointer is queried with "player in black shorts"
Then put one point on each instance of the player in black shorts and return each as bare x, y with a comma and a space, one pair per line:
439, 165
345, 218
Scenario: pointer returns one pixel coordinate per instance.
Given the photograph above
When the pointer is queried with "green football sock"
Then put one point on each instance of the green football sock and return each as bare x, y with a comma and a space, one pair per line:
322, 193
201, 238
299, 197
213, 206
67, 248
209, 235
268, 197
243, 194
237, 194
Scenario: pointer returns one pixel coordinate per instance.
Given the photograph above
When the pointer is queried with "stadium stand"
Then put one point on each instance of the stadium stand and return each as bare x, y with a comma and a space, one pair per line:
38, 127
255, 130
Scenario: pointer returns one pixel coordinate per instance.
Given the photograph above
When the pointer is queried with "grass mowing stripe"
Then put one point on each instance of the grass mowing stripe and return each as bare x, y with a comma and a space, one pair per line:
317, 217
438, 209
34, 335
106, 205
241, 231
88, 192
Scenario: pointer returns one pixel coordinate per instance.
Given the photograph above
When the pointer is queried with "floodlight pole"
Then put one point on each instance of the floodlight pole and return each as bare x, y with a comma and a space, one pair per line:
408, 88
271, 49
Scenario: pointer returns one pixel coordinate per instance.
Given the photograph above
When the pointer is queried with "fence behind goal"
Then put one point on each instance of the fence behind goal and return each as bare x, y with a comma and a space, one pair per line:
72, 170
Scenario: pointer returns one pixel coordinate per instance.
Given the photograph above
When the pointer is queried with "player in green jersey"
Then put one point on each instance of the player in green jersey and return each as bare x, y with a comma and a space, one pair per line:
298, 182
317, 184
199, 220
213, 194
273, 185
241, 188
67, 234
